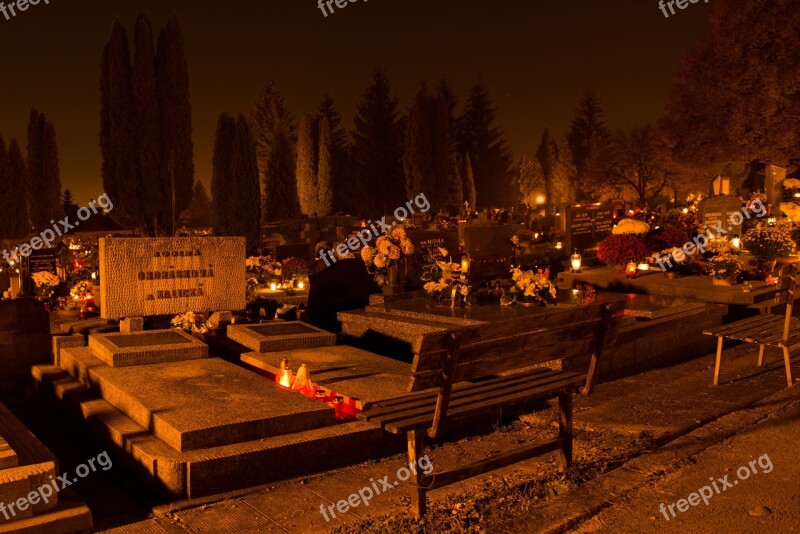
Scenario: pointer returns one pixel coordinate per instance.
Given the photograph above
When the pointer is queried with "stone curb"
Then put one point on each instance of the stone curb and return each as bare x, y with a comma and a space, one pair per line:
569, 509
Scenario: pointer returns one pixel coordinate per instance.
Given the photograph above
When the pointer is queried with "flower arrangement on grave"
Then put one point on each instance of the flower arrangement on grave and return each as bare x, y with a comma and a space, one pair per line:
725, 266
584, 294
673, 260
631, 227
621, 249
195, 324
293, 267
444, 282
81, 291
715, 247
45, 284
768, 243
530, 289
263, 267
667, 236
383, 258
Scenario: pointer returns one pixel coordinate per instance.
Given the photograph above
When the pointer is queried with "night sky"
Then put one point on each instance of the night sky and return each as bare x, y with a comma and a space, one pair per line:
535, 57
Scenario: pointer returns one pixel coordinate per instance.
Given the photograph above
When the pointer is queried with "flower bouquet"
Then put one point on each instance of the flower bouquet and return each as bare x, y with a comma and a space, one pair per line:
631, 227
445, 282
530, 289
194, 324
45, 284
382, 259
768, 244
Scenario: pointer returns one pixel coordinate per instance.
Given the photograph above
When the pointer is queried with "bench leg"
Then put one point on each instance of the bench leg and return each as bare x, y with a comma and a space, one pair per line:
415, 450
719, 360
565, 426
787, 359
761, 350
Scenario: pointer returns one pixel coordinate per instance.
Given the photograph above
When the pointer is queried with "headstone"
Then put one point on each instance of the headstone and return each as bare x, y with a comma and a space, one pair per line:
774, 176
587, 225
298, 250
24, 341
486, 242
170, 275
426, 250
345, 285
715, 212
47, 260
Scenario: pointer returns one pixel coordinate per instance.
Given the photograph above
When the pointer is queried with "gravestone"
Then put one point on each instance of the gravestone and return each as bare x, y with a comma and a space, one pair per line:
171, 275
47, 260
426, 251
24, 341
717, 211
587, 225
345, 285
490, 242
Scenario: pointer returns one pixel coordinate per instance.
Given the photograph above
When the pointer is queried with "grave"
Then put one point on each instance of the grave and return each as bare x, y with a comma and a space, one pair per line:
24, 341
587, 225
426, 251
146, 347
25, 466
715, 212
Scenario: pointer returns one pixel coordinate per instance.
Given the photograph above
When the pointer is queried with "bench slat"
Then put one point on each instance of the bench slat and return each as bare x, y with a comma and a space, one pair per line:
512, 359
738, 326
488, 403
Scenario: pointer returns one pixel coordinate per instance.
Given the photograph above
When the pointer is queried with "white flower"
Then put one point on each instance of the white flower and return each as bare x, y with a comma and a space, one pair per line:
631, 226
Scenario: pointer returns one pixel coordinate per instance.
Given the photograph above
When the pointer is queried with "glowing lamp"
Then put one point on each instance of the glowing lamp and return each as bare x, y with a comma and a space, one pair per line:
301, 285
644, 267
575, 261
466, 263
286, 378
736, 242
630, 270
540, 199
273, 286
559, 245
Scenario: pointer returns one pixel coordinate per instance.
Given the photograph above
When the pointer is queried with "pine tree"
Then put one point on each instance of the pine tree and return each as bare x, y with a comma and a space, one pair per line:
244, 181
68, 206
307, 164
325, 179
268, 115
34, 159
44, 182
418, 153
556, 171
16, 206
175, 113
587, 131
224, 210
280, 183
376, 155
490, 156
154, 195
531, 180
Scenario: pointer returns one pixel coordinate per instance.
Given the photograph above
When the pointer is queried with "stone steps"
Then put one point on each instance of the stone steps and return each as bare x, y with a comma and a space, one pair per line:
197, 473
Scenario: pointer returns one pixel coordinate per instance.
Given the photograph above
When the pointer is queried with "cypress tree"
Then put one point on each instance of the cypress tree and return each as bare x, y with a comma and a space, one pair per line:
16, 205
280, 183
224, 210
34, 158
470, 192
175, 112
339, 149
244, 182
6, 192
44, 182
154, 193
307, 163
325, 178
269, 114
50, 173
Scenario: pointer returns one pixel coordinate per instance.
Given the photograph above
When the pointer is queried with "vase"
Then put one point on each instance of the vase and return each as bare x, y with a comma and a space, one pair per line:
393, 275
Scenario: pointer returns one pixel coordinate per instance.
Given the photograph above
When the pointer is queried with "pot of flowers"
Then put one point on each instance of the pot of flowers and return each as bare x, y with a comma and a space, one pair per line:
382, 260
767, 244
445, 284
44, 285
530, 289
724, 268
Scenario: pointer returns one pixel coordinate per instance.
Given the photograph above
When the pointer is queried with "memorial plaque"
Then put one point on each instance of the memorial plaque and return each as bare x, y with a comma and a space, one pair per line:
716, 212
165, 275
44, 260
587, 225
426, 251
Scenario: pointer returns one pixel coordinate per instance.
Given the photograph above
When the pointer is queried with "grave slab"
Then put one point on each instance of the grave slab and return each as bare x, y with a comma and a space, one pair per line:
280, 335
142, 348
360, 375
8, 458
197, 404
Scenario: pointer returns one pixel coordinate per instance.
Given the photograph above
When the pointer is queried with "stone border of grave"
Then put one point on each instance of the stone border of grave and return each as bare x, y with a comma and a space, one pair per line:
104, 348
312, 338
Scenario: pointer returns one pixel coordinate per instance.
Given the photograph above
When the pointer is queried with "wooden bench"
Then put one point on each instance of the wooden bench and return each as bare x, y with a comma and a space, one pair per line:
482, 369
767, 330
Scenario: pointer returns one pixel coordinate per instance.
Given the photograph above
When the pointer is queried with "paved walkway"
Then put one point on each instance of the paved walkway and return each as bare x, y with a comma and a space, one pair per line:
661, 405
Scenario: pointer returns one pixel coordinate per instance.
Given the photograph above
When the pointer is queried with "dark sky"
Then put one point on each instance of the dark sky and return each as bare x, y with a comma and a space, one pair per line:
536, 57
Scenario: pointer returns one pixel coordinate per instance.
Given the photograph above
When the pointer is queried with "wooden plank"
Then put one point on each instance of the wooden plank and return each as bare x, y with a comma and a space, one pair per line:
479, 406
506, 362
473, 397
415, 450
565, 425
500, 345
445, 478
738, 326
460, 390
443, 399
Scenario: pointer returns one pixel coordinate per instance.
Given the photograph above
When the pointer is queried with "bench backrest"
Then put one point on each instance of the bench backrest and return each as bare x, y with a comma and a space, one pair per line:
791, 278
490, 349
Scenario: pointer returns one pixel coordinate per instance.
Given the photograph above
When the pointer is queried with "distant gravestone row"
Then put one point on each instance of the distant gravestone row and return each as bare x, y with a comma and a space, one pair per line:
716, 212
587, 225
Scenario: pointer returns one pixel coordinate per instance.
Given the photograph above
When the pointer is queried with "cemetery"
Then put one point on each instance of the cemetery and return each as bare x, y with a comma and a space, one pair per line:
229, 306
